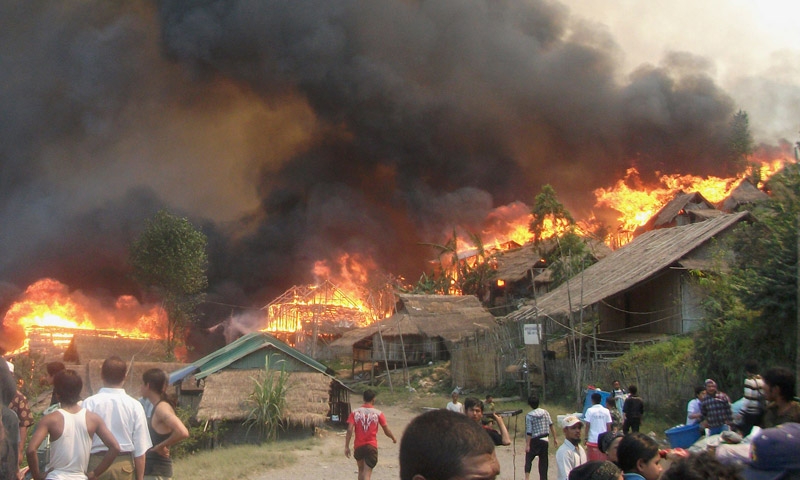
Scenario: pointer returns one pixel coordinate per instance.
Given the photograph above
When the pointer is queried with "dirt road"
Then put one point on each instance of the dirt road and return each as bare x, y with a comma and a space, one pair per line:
327, 461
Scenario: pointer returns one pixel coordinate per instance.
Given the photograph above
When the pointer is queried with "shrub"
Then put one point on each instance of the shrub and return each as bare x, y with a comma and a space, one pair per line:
269, 398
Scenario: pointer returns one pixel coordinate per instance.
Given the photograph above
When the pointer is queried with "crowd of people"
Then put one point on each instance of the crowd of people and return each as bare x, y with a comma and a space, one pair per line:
108, 436
604, 443
113, 436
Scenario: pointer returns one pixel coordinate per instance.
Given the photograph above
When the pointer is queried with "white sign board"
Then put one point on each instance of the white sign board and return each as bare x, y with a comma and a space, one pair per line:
531, 333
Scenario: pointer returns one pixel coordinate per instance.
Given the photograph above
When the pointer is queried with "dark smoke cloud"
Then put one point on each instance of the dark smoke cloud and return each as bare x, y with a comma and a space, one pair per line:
296, 131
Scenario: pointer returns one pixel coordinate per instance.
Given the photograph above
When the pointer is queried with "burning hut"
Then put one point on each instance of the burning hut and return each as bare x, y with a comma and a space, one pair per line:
229, 374
310, 317
683, 209
523, 273
424, 328
640, 291
86, 346
742, 196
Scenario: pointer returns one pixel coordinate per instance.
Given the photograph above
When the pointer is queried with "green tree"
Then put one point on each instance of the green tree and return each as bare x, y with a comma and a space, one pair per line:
170, 258
549, 215
570, 254
752, 308
467, 276
741, 144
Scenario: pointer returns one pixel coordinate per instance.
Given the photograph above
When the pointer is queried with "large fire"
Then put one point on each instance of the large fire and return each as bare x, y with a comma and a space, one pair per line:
341, 298
344, 296
48, 311
637, 203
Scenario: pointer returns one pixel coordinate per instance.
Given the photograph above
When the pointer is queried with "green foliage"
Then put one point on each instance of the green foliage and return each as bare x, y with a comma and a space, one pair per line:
741, 145
199, 439
269, 399
752, 309
548, 211
170, 257
465, 276
31, 367
570, 256
676, 354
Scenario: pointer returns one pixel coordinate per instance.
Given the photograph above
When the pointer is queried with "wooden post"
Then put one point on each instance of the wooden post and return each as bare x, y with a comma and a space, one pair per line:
385, 357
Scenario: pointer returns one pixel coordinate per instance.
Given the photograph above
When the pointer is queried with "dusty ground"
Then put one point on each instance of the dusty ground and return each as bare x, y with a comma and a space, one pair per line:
327, 460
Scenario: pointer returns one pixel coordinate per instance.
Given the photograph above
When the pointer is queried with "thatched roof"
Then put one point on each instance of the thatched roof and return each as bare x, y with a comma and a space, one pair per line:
630, 265
515, 265
682, 201
226, 397
744, 193
447, 316
703, 214
86, 347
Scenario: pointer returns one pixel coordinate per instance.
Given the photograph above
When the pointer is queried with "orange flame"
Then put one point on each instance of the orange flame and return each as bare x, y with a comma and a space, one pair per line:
341, 297
637, 203
48, 307
507, 227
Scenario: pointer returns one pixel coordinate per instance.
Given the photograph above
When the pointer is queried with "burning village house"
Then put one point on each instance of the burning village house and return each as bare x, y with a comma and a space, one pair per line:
58, 324
641, 292
311, 317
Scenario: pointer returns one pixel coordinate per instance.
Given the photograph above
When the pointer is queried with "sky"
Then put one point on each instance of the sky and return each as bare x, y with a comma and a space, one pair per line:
294, 132
746, 42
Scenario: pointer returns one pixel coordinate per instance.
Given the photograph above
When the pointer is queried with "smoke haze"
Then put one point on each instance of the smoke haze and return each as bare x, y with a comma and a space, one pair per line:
293, 132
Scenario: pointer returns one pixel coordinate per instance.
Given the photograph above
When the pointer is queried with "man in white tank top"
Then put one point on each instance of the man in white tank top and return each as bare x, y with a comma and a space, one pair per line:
71, 429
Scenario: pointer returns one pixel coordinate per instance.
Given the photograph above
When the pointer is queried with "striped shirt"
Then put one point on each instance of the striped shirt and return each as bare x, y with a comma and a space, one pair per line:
753, 392
537, 423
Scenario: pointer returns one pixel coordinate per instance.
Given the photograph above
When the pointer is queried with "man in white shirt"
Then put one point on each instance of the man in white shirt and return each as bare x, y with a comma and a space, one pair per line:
598, 420
125, 417
570, 454
455, 405
694, 413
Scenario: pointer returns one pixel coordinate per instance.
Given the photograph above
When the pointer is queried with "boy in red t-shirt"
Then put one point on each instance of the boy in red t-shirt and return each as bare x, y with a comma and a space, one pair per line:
364, 421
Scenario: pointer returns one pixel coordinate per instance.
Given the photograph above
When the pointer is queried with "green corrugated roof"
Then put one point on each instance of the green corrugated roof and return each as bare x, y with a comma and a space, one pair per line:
246, 345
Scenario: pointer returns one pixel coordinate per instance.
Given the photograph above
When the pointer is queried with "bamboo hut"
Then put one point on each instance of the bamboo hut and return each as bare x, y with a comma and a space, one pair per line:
227, 378
742, 196
226, 403
425, 328
643, 291
86, 347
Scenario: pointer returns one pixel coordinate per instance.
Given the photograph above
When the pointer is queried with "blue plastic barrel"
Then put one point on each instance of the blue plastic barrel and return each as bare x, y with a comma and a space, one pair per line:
588, 402
683, 436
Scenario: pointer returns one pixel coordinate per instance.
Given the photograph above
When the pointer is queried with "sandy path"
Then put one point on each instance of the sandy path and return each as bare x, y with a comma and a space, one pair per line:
327, 461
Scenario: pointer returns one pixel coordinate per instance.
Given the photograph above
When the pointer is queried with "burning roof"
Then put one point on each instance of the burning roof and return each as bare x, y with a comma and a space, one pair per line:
645, 256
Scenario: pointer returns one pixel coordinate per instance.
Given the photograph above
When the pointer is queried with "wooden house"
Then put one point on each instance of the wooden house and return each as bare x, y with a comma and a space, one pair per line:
744, 195
643, 288
228, 377
523, 273
423, 329
683, 209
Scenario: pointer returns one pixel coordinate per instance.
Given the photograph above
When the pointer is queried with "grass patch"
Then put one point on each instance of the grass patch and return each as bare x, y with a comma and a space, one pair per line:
241, 461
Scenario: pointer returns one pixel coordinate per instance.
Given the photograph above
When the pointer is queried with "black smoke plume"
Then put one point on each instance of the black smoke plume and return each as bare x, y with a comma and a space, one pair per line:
295, 131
